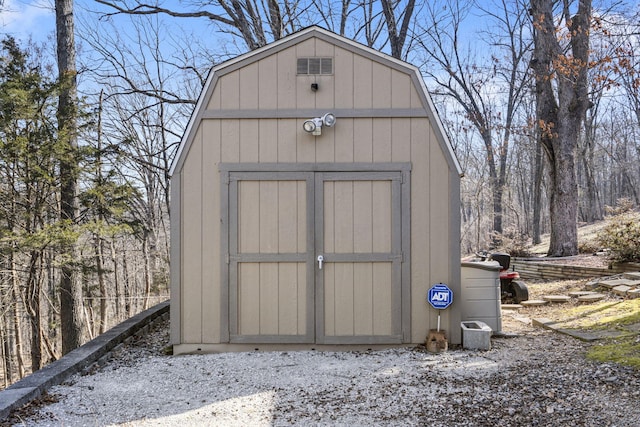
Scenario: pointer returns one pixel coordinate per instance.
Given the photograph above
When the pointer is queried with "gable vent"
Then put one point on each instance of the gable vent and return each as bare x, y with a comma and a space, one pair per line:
315, 66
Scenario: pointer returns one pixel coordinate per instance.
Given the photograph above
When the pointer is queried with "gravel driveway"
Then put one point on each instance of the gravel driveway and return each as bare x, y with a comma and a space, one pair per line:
539, 378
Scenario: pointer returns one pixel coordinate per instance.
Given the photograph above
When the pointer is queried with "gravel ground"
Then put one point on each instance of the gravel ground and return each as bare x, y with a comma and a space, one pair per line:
538, 378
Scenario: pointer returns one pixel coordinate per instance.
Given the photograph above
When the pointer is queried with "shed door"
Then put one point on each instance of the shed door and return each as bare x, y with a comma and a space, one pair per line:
358, 236
280, 223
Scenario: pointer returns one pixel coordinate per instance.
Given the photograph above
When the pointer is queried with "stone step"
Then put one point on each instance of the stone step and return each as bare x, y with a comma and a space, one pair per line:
557, 298
510, 306
576, 294
633, 293
591, 297
632, 275
533, 303
621, 290
612, 283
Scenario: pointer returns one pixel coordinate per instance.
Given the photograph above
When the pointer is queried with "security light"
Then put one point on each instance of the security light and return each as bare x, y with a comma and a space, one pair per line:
329, 120
314, 126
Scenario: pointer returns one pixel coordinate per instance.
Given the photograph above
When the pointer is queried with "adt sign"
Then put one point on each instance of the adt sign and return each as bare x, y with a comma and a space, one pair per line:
440, 296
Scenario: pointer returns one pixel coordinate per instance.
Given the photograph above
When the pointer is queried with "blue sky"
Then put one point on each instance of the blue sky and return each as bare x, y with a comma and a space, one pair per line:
25, 18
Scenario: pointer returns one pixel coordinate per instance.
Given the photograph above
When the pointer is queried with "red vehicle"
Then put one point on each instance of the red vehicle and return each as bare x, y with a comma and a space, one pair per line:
512, 289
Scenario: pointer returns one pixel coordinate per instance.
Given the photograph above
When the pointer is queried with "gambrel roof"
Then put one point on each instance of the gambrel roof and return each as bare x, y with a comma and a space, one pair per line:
200, 112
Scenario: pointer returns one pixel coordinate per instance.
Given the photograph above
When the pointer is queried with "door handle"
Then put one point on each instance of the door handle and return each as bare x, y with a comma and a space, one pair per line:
320, 261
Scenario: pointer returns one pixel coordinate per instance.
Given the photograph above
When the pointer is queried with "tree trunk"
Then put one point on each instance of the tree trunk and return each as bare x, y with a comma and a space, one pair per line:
99, 257
563, 206
32, 302
537, 195
70, 288
17, 325
560, 115
119, 301
128, 293
397, 36
146, 268
6, 349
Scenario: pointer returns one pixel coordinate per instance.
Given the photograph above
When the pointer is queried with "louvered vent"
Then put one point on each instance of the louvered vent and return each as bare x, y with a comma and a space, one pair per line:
315, 65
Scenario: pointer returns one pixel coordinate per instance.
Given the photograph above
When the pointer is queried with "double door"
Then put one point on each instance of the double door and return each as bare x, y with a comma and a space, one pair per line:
316, 257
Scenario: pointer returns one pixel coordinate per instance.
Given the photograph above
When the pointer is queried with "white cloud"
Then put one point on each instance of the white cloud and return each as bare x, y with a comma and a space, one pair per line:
27, 18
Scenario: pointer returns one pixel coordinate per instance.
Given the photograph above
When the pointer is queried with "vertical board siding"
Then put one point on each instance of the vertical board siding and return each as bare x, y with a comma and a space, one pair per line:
268, 217
248, 298
268, 141
382, 140
248, 216
344, 315
286, 140
381, 227
325, 146
401, 87
249, 141
329, 219
343, 220
417, 101
344, 141
176, 236
381, 89
363, 308
363, 140
329, 299
192, 252
215, 101
363, 211
401, 140
210, 236
421, 222
230, 138
286, 79
248, 86
344, 86
382, 298
325, 96
288, 299
268, 297
268, 83
362, 82
229, 91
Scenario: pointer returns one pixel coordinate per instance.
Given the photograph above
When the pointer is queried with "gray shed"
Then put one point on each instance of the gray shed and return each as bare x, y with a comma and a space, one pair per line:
315, 200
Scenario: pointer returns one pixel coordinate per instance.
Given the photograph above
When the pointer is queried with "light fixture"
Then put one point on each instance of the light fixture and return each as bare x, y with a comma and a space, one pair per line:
314, 126
329, 120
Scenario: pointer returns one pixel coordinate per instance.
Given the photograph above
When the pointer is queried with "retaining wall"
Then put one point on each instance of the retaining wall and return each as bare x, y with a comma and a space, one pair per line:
531, 269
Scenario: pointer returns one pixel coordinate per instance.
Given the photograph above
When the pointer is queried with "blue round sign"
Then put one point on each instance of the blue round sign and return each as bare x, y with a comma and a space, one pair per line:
440, 296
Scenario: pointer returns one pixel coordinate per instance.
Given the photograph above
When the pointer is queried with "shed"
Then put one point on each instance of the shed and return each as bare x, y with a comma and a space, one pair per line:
314, 201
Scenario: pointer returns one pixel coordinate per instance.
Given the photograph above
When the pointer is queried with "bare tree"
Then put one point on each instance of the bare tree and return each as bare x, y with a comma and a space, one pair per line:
473, 82
562, 100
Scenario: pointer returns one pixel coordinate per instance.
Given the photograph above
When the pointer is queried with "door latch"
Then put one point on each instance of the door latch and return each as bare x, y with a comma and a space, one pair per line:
320, 261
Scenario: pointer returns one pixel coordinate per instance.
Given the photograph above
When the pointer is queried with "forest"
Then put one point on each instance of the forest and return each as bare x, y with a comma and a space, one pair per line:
540, 99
